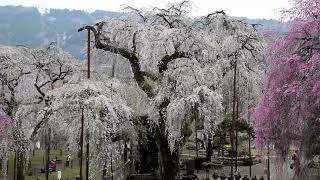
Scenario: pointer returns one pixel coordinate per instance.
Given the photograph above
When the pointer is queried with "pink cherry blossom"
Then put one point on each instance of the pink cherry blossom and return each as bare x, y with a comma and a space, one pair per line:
291, 92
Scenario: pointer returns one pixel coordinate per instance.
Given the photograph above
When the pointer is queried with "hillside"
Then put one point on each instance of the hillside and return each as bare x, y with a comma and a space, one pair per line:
27, 26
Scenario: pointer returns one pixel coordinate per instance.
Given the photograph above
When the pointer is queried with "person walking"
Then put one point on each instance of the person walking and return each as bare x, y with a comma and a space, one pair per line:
68, 160
296, 166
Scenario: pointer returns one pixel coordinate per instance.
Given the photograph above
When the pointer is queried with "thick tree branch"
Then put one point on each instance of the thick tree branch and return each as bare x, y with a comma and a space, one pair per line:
163, 64
126, 53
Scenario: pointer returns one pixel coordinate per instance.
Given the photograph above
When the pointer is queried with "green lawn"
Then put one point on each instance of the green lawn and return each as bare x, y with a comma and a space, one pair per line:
67, 173
37, 164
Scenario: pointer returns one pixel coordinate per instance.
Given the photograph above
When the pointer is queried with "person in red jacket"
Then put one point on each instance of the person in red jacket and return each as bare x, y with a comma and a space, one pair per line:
52, 166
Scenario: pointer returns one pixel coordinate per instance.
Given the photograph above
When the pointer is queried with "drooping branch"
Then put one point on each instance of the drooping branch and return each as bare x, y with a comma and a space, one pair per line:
164, 17
46, 117
246, 44
10, 84
126, 53
307, 45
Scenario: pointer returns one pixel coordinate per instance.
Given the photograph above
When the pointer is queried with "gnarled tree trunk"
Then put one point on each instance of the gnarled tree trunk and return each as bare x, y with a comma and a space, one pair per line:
20, 163
168, 161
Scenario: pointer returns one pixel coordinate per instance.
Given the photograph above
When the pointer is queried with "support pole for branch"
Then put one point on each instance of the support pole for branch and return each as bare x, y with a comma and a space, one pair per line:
81, 142
88, 145
237, 119
48, 139
195, 112
249, 134
111, 168
88, 55
195, 128
233, 115
268, 163
82, 116
196, 142
15, 166
87, 155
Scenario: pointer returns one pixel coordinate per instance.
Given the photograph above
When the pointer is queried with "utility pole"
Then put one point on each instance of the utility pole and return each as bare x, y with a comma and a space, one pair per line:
233, 114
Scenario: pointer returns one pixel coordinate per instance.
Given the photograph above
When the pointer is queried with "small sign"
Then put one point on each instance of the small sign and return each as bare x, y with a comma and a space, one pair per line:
59, 175
38, 144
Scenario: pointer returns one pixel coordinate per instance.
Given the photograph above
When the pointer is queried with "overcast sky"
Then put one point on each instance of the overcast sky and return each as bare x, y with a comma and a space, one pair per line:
246, 8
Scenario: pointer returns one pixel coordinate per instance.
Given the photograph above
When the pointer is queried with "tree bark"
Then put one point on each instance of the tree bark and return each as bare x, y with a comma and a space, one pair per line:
15, 166
233, 116
209, 149
125, 153
168, 161
20, 164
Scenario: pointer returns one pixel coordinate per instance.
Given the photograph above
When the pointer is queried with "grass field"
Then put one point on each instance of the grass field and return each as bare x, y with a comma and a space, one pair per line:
37, 163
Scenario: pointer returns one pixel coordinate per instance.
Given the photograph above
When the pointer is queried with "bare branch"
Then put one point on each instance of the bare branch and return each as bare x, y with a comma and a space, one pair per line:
53, 76
138, 12
216, 12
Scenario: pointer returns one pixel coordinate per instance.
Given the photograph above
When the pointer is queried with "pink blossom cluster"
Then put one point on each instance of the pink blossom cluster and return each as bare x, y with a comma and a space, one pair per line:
291, 91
